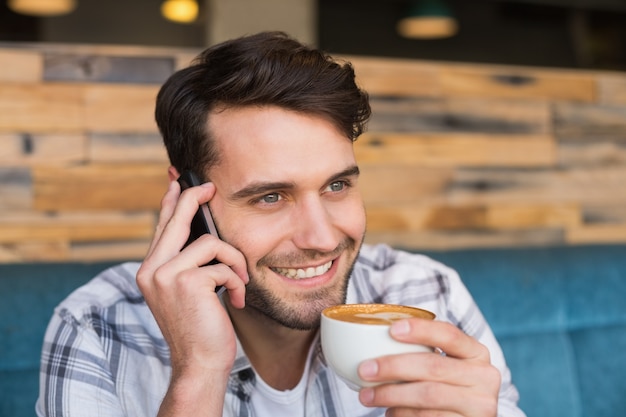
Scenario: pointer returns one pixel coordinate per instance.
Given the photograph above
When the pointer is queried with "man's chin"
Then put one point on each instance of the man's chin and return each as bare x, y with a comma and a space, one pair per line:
302, 313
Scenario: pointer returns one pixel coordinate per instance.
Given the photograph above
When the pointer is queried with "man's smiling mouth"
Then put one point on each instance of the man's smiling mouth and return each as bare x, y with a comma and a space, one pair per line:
300, 273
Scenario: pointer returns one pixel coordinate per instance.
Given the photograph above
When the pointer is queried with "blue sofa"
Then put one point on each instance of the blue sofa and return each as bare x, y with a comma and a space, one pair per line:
559, 314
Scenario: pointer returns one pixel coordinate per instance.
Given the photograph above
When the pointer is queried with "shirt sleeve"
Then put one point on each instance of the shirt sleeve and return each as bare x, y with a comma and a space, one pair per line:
74, 375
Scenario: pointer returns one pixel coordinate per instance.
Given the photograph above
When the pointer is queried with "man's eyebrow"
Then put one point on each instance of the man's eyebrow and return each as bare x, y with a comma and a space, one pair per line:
352, 171
259, 188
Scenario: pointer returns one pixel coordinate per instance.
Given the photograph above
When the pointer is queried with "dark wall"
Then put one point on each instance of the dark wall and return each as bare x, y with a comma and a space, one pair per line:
489, 32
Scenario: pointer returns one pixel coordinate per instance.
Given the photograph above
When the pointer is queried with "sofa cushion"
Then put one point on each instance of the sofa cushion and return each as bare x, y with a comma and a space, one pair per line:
28, 294
558, 313
560, 316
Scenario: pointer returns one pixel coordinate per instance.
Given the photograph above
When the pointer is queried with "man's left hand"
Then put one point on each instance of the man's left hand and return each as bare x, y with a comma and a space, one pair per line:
461, 383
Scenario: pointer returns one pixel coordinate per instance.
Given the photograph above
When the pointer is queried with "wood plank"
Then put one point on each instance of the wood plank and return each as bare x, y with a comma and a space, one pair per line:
28, 150
115, 50
393, 184
396, 77
466, 149
591, 153
397, 114
35, 252
604, 214
120, 108
517, 83
184, 59
20, 66
589, 121
606, 233
416, 217
75, 226
587, 186
77, 252
8, 254
16, 191
120, 147
109, 251
420, 217
449, 240
529, 216
100, 187
106, 68
612, 89
41, 108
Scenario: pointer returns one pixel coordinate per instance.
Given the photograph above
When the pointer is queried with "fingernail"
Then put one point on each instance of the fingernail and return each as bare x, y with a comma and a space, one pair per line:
367, 396
368, 368
400, 328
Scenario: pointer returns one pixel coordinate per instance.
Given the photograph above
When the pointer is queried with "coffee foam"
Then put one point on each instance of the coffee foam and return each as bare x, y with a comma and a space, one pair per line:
383, 314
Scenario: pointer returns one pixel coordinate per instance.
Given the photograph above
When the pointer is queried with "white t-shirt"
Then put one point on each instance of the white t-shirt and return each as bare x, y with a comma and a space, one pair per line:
267, 401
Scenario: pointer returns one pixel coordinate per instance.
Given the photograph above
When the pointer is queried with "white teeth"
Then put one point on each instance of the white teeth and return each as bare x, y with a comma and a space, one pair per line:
303, 273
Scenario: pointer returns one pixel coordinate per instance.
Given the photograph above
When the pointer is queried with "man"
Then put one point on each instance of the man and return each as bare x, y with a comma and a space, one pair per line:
268, 124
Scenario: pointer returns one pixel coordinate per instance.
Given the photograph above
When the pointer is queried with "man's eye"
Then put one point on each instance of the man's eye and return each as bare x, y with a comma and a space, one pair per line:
337, 186
270, 198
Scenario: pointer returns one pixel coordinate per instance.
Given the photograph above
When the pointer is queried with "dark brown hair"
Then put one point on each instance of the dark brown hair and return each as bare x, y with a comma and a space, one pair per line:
268, 68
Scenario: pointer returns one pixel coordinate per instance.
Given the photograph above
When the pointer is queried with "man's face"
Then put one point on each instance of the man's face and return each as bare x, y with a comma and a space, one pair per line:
287, 199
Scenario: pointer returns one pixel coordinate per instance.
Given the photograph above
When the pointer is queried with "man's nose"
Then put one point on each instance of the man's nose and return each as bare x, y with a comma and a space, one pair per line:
314, 227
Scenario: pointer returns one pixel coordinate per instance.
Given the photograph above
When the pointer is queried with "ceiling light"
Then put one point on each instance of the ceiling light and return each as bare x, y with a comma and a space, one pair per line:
428, 19
180, 11
42, 7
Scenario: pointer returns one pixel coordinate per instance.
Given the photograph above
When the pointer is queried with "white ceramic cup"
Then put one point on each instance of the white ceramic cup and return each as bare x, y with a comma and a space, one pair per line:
352, 333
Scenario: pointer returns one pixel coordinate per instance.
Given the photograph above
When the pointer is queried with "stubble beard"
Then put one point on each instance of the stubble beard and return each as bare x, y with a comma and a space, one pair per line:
305, 315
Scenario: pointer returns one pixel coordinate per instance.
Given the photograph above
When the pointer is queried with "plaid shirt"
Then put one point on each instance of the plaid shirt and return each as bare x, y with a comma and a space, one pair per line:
104, 355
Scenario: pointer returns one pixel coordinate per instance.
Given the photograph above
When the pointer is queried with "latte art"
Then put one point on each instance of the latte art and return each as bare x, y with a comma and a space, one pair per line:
383, 314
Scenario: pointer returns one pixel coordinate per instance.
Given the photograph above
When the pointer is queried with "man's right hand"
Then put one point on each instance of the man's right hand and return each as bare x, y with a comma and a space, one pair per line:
179, 288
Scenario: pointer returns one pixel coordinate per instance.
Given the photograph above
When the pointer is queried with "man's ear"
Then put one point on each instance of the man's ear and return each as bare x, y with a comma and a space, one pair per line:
172, 173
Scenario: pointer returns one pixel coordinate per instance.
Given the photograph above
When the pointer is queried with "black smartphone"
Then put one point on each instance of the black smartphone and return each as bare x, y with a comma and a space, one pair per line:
202, 221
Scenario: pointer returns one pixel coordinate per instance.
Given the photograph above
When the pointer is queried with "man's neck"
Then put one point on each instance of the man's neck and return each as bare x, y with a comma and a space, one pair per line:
277, 353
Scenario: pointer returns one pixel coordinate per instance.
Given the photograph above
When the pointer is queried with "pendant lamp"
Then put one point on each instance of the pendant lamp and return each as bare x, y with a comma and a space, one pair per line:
180, 11
42, 7
428, 19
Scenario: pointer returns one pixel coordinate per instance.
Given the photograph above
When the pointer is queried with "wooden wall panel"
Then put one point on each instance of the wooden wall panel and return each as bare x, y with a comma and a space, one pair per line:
455, 156
606, 233
420, 217
112, 250
590, 121
591, 153
20, 66
41, 108
585, 186
397, 184
120, 108
114, 147
38, 149
99, 187
612, 89
36, 252
16, 193
397, 77
75, 227
459, 115
517, 83
445, 240
106, 68
458, 149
